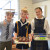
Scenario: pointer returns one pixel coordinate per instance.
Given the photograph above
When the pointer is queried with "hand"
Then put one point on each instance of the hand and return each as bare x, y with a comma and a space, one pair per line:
4, 22
30, 38
13, 38
33, 36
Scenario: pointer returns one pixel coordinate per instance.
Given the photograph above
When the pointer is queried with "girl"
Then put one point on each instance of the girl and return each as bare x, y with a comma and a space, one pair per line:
39, 25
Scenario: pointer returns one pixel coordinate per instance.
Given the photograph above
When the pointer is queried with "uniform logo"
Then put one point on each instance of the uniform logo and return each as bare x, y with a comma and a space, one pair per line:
26, 27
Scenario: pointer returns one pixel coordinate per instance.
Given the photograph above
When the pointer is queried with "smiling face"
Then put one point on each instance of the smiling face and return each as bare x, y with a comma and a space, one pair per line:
38, 12
9, 16
24, 13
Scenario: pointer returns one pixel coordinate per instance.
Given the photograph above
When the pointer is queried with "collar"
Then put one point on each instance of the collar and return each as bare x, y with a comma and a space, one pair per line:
8, 22
22, 22
40, 18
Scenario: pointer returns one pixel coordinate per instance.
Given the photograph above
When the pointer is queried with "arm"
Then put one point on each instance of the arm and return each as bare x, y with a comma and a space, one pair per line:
46, 26
32, 28
15, 34
30, 37
29, 32
0, 24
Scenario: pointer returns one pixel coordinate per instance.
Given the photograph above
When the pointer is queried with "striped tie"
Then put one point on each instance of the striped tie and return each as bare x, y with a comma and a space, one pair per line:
7, 31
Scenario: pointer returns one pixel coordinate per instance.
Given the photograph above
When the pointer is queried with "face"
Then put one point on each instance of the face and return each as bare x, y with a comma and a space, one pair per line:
9, 17
23, 15
38, 13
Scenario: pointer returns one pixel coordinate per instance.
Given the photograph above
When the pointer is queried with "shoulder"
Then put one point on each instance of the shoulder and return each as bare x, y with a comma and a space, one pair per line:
32, 20
28, 22
46, 20
17, 21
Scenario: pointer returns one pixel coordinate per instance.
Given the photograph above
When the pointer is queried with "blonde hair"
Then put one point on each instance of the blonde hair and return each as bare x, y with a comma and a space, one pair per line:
24, 10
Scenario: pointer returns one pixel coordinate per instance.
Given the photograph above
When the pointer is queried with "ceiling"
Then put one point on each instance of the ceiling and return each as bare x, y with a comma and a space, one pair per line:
36, 1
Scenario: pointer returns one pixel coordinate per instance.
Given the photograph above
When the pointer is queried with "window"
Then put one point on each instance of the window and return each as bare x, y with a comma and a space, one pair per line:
9, 4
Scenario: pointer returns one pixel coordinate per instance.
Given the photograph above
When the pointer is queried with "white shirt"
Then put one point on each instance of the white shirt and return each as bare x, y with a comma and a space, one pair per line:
46, 25
24, 23
3, 31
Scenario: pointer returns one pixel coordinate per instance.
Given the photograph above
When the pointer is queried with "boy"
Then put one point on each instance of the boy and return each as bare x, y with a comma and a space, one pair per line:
6, 32
23, 24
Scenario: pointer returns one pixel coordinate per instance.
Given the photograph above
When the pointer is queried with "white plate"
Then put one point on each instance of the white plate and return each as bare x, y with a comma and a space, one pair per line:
21, 42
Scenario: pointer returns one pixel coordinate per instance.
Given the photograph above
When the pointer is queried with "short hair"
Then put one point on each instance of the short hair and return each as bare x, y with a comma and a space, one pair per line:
24, 10
38, 8
9, 13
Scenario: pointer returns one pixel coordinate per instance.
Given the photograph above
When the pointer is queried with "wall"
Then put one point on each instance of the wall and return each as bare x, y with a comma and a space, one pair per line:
29, 5
47, 4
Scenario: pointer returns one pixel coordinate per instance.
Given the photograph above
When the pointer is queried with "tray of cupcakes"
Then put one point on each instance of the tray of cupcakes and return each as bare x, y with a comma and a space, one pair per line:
22, 40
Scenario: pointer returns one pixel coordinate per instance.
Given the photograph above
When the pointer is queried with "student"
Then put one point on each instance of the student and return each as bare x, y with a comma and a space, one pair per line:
6, 32
23, 24
39, 25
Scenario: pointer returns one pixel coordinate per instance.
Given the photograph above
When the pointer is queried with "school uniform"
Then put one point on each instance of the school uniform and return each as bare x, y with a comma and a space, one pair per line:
39, 26
22, 31
6, 35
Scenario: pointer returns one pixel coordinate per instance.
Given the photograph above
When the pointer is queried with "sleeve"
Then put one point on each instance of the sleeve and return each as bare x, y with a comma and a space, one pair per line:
32, 25
13, 30
15, 27
46, 26
1, 23
29, 29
